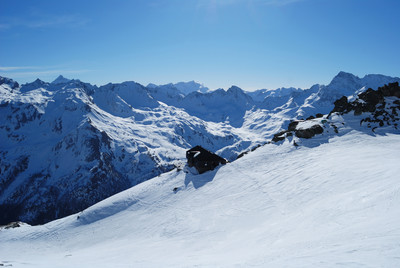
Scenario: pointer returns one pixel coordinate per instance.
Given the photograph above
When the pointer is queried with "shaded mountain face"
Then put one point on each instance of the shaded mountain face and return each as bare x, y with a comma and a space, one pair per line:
66, 145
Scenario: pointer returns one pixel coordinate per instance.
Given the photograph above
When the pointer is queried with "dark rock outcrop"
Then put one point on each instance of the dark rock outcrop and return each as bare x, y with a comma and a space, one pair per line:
368, 100
380, 111
12, 225
299, 132
202, 159
13, 84
292, 125
341, 105
309, 132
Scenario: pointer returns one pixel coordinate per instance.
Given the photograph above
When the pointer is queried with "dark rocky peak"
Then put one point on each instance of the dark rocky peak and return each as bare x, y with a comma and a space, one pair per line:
34, 85
8, 81
344, 78
239, 95
235, 90
345, 75
64, 83
343, 84
60, 80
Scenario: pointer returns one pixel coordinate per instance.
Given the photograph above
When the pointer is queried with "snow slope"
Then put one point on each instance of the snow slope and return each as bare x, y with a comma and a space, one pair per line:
336, 204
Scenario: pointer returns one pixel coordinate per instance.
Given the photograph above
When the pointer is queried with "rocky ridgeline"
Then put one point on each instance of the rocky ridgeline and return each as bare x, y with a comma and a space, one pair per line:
300, 132
382, 106
379, 108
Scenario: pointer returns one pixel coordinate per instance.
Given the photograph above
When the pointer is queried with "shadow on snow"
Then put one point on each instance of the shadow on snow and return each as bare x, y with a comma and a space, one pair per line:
199, 180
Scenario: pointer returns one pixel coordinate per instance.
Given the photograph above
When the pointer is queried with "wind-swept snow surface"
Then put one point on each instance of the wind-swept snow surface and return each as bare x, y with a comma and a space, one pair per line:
337, 204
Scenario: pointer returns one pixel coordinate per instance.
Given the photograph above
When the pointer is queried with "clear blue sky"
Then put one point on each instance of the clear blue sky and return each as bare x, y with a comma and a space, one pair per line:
249, 43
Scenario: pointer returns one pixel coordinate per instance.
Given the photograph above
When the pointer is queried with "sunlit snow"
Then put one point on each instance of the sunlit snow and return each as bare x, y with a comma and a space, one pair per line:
280, 206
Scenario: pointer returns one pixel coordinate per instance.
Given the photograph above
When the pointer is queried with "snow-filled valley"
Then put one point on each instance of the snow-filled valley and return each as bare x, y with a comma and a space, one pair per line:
336, 204
99, 175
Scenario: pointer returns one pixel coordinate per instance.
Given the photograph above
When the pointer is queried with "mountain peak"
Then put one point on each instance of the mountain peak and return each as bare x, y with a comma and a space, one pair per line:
34, 85
60, 80
151, 85
13, 84
236, 90
191, 86
344, 74
343, 79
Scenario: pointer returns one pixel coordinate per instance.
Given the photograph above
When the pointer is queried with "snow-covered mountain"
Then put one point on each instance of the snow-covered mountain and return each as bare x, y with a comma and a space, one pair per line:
66, 145
261, 94
183, 87
320, 98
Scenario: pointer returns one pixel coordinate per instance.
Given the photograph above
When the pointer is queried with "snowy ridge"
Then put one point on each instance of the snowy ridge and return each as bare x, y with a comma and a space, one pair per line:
184, 88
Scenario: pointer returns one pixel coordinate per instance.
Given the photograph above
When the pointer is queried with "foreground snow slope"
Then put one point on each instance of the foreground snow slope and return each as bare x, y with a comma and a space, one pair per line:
279, 206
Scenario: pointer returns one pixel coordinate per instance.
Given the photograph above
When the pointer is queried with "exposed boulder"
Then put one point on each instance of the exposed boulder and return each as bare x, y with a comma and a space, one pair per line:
299, 131
292, 125
281, 135
390, 90
13, 225
202, 159
342, 105
309, 132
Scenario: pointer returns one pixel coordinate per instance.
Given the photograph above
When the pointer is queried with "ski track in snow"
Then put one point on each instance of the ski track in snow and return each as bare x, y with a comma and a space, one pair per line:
336, 204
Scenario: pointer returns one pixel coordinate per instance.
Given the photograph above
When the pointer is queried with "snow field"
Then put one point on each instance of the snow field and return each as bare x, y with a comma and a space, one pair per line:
337, 204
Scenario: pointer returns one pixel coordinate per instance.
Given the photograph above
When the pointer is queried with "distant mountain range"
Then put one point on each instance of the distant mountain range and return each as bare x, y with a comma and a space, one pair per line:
67, 144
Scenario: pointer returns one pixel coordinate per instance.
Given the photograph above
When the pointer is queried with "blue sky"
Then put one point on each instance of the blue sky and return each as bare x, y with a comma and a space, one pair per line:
249, 43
